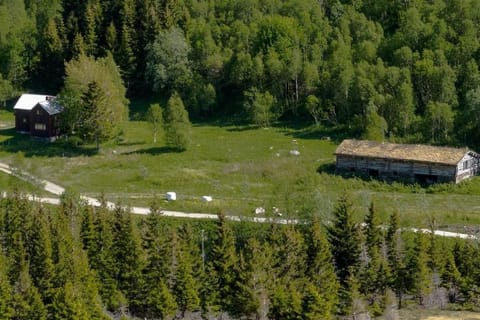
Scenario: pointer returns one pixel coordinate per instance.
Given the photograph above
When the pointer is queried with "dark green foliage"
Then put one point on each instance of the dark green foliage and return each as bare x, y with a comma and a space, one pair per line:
419, 272
75, 261
40, 255
129, 266
344, 239
321, 292
6, 310
223, 265
93, 102
375, 272
26, 300
415, 62
286, 301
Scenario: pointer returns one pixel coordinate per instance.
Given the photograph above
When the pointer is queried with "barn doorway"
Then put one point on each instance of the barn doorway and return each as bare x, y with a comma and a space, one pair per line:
426, 178
373, 173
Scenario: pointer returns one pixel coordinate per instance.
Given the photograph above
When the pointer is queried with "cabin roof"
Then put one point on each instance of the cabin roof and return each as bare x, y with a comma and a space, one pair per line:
52, 107
29, 101
404, 152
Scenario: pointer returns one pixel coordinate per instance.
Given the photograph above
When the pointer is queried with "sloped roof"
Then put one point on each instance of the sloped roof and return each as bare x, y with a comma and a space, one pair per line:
28, 101
52, 107
405, 152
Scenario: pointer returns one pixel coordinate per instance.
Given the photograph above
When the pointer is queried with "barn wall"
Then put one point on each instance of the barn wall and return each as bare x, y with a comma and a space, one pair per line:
397, 169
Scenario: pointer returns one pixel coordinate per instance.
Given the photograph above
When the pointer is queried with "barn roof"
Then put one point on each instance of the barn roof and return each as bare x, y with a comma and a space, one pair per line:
405, 152
28, 101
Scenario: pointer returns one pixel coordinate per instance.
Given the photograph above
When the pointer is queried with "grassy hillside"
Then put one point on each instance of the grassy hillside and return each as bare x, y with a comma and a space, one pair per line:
241, 167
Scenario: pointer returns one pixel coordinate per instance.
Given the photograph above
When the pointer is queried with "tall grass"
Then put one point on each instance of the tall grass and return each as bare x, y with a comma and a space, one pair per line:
241, 167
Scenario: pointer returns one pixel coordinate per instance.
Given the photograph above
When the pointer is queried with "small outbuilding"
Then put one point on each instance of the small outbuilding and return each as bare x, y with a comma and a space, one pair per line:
37, 115
410, 162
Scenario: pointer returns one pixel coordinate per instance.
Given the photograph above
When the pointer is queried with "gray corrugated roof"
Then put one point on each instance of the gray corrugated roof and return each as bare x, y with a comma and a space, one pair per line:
52, 107
406, 152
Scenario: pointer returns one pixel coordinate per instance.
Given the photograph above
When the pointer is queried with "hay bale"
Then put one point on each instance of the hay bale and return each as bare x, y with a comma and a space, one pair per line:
207, 198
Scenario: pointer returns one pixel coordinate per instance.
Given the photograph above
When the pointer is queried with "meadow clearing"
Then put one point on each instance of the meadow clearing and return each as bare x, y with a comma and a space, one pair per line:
240, 166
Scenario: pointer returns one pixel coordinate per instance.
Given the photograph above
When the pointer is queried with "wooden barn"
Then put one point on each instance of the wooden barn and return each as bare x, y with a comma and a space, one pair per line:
37, 115
408, 162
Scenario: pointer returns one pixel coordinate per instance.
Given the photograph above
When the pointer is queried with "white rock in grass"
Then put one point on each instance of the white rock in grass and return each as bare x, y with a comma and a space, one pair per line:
171, 196
294, 152
259, 210
207, 198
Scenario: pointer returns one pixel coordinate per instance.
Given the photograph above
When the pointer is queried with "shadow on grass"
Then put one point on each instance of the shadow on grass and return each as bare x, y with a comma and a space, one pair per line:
32, 147
241, 128
155, 151
131, 143
328, 168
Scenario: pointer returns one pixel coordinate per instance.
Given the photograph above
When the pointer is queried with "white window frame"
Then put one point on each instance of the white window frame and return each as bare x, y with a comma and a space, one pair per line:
40, 126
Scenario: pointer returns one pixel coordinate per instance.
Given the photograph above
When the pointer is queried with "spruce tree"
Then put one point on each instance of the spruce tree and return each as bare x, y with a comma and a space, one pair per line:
286, 301
344, 239
93, 126
186, 286
6, 311
128, 257
420, 273
451, 278
223, 264
103, 261
26, 300
321, 292
159, 271
160, 301
258, 277
40, 256
67, 304
396, 259
177, 124
375, 272
87, 232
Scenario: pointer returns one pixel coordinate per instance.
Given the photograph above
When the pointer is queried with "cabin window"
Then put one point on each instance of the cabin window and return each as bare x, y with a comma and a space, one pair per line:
465, 165
395, 173
39, 112
40, 126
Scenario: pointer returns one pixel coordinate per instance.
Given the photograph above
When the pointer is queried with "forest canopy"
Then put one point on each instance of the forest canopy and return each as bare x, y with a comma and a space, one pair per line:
398, 70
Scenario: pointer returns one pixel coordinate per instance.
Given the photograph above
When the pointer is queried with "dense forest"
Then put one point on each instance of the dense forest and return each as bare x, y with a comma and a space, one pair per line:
79, 262
403, 70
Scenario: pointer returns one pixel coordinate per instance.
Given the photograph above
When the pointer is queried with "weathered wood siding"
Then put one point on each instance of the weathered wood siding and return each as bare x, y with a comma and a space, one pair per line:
397, 169
467, 167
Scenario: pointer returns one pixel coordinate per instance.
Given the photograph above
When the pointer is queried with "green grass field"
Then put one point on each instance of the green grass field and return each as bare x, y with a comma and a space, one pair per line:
241, 167
424, 314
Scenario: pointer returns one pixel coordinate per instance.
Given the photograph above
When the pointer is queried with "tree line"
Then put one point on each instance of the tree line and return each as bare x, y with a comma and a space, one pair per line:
398, 70
79, 262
